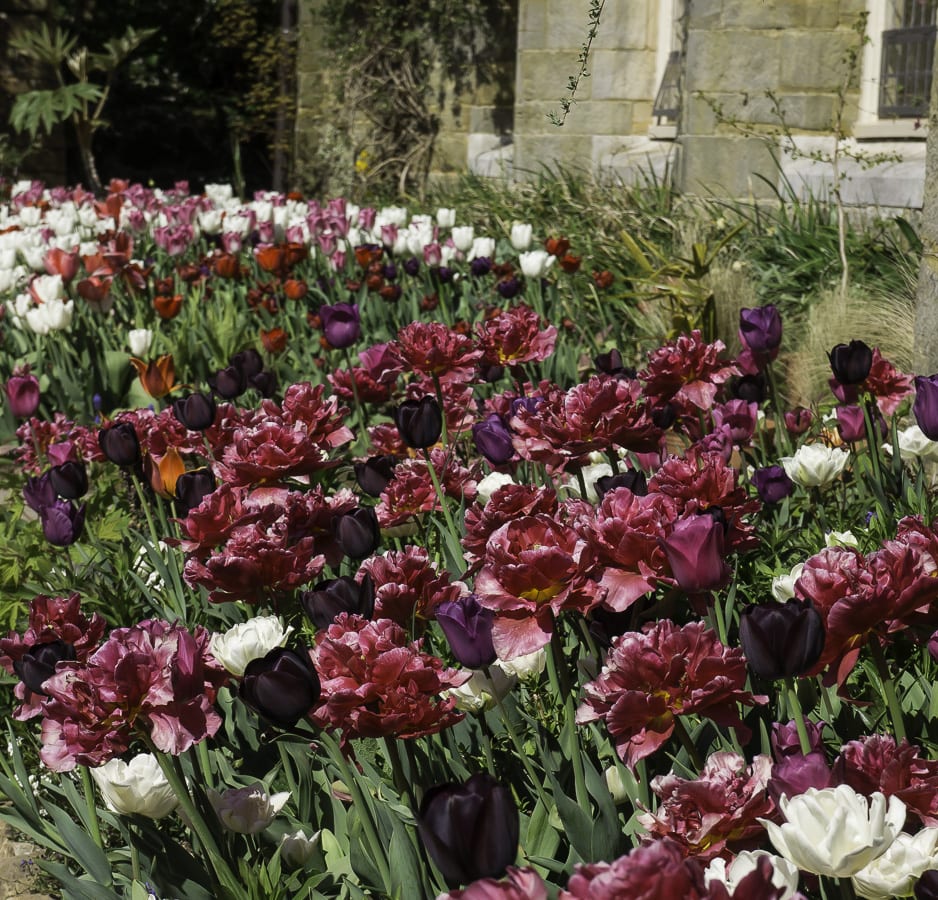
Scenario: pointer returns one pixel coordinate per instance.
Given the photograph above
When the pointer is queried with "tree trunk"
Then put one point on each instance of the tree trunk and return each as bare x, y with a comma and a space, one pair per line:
926, 296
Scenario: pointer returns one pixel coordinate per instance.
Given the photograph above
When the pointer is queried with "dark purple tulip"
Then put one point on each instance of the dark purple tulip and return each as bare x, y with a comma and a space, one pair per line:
470, 830
851, 362
926, 888
357, 532
468, 628
22, 395
248, 362
445, 274
338, 595
508, 287
37, 664
493, 440
609, 363
633, 479
760, 329
420, 422
925, 407
62, 522
772, 484
793, 772
70, 479
282, 687
781, 640
751, 388
528, 404
265, 383
933, 646
341, 324
798, 420
38, 492
228, 383
196, 411
480, 266
374, 474
119, 443
850, 423
389, 271
412, 266
695, 553
193, 487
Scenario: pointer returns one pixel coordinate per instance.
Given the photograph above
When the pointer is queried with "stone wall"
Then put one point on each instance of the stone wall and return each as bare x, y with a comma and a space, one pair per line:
736, 50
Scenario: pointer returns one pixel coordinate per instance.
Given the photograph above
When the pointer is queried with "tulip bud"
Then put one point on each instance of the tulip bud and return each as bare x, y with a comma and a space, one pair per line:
247, 362
341, 324
39, 492
193, 487
493, 440
334, 596
62, 522
357, 532
851, 362
374, 474
196, 411
296, 849
265, 383
247, 810
925, 407
798, 420
420, 422
22, 395
119, 443
228, 383
772, 484
781, 640
850, 423
282, 687
471, 830
695, 551
468, 628
70, 479
760, 329
38, 663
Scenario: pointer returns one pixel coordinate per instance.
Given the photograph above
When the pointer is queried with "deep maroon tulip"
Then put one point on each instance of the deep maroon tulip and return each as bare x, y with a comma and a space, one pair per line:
925, 407
609, 363
341, 324
248, 362
338, 595
470, 830
926, 888
70, 479
772, 484
468, 628
420, 422
493, 440
851, 362
389, 271
196, 411
793, 772
192, 487
374, 474
633, 479
229, 383
760, 329
282, 687
62, 522
695, 553
119, 443
664, 416
38, 492
22, 395
850, 423
781, 640
357, 532
37, 664
798, 420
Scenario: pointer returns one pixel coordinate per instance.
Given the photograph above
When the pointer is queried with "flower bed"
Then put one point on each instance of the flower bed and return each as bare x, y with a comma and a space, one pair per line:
384, 564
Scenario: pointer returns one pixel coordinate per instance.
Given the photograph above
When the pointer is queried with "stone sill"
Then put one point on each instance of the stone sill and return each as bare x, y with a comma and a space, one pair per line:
891, 129
662, 132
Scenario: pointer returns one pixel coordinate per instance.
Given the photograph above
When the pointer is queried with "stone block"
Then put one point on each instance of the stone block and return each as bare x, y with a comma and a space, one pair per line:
769, 14
632, 25
726, 166
599, 117
641, 116
544, 74
734, 60
567, 24
491, 119
537, 154
449, 152
532, 24
623, 74
808, 112
813, 60
533, 118
705, 14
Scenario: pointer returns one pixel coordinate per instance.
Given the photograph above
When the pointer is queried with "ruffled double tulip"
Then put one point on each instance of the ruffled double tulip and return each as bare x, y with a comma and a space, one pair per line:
135, 788
247, 641
815, 465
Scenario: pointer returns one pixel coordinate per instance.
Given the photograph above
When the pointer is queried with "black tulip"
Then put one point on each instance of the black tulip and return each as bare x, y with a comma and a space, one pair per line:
282, 686
508, 287
664, 416
412, 266
633, 479
781, 640
468, 628
229, 383
38, 663
249, 362
119, 443
334, 596
470, 830
420, 422
491, 374
70, 479
926, 888
357, 532
374, 474
193, 487
851, 362
265, 383
751, 388
196, 412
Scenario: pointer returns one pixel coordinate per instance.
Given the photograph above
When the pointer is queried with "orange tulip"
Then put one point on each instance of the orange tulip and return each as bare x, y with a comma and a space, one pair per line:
158, 376
295, 289
557, 246
168, 307
275, 340
163, 475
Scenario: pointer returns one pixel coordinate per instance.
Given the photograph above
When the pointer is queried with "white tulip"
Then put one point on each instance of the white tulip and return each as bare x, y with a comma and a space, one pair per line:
895, 872
463, 236
249, 640
783, 586
535, 263
521, 234
30, 216
48, 287
135, 788
490, 484
914, 445
591, 474
527, 666
52, 316
219, 194
784, 873
815, 465
836, 831
481, 246
140, 340
841, 539
445, 218
247, 810
481, 691
296, 849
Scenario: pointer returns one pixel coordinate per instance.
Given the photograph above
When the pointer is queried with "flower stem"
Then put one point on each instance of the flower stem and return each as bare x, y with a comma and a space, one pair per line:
362, 413
93, 823
401, 782
450, 524
798, 715
889, 689
688, 744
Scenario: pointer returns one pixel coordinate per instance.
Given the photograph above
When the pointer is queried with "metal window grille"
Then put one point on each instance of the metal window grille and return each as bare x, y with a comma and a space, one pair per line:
667, 103
908, 51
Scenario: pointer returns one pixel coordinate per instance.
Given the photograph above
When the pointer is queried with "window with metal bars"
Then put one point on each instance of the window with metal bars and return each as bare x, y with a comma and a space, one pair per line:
908, 52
